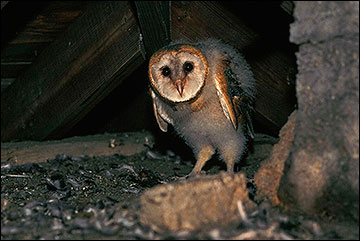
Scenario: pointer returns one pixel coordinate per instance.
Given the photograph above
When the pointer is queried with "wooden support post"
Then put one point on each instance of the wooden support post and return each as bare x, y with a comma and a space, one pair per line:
99, 50
154, 19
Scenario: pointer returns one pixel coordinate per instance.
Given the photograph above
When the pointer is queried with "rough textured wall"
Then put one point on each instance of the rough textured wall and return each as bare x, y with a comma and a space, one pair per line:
322, 173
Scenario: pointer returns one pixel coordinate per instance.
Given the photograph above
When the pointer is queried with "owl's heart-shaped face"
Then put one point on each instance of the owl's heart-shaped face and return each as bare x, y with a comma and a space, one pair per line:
178, 73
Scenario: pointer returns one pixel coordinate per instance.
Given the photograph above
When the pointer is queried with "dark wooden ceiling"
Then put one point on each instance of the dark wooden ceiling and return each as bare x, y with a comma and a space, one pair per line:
76, 68
27, 28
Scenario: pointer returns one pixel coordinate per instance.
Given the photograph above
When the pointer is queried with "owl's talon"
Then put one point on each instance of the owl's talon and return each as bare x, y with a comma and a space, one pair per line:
184, 177
196, 174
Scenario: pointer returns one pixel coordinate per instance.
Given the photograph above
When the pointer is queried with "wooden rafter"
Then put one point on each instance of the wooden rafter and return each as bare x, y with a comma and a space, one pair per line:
99, 50
154, 20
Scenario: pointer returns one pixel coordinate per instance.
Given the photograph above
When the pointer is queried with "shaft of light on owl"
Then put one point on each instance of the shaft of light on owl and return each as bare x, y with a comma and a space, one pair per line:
206, 91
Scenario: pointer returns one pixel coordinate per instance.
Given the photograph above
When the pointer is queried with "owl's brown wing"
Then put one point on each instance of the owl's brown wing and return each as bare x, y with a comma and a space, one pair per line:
161, 116
233, 100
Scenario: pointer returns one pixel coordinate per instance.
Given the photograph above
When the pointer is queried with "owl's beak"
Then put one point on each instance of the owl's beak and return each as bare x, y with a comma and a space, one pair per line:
180, 86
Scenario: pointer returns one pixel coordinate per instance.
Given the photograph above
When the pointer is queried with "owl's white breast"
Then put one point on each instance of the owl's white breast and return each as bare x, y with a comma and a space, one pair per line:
205, 123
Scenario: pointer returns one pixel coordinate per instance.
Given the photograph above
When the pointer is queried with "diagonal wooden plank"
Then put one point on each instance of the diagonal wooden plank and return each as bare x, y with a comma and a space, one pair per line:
154, 19
92, 57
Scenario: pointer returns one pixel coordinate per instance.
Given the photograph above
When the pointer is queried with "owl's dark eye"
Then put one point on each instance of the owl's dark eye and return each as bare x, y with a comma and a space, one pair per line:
166, 71
188, 67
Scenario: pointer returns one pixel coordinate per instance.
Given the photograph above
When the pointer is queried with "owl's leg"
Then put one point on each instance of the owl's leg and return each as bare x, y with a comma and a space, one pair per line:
203, 156
230, 155
230, 163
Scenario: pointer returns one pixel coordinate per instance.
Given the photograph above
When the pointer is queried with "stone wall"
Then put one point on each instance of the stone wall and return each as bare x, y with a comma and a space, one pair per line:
321, 175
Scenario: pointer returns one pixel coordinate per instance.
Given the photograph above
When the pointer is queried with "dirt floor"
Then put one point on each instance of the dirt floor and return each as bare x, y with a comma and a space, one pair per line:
97, 197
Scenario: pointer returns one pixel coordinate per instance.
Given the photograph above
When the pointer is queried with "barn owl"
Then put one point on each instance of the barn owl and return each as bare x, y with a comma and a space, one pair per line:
205, 90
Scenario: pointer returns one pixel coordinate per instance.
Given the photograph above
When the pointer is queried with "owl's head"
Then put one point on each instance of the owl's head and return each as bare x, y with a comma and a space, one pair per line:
178, 72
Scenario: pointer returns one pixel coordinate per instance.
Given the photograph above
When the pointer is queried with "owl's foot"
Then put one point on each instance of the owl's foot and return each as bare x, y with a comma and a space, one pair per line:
196, 174
185, 177
229, 155
203, 156
192, 175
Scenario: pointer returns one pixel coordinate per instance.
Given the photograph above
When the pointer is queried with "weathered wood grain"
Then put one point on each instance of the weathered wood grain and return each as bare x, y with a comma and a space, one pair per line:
154, 19
100, 49
51, 21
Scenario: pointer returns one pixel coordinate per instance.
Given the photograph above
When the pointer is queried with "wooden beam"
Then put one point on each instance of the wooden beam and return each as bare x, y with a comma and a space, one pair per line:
14, 17
3, 4
33, 33
99, 50
154, 19
288, 7
273, 64
52, 20
126, 144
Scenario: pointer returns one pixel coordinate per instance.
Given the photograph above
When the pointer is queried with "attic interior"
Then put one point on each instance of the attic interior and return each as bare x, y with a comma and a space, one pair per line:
34, 62
73, 72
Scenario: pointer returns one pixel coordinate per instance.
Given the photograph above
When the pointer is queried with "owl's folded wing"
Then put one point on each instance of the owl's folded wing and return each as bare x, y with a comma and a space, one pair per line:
232, 99
161, 116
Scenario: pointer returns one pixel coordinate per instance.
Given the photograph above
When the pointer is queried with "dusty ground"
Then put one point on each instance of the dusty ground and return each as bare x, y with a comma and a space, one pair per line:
97, 197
